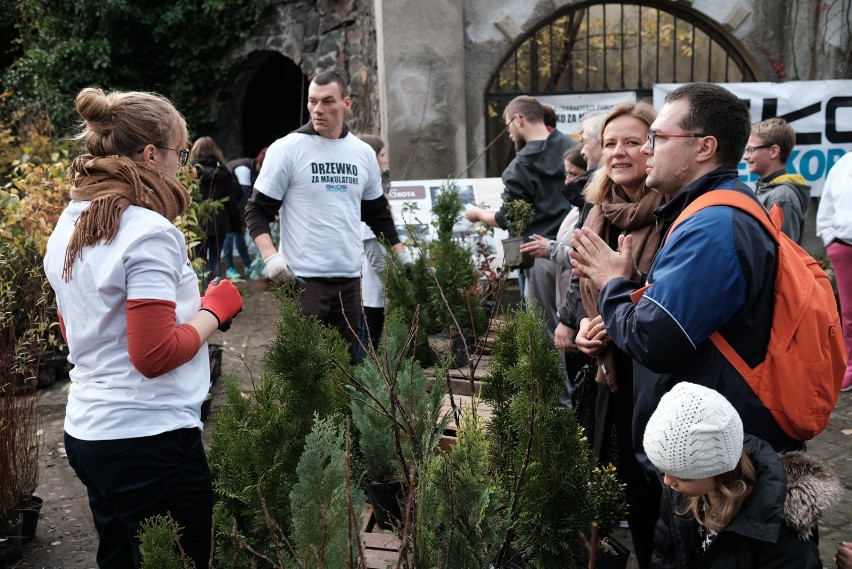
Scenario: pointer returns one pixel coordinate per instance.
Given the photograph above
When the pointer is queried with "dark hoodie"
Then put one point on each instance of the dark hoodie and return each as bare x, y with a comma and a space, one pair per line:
537, 176
791, 193
216, 182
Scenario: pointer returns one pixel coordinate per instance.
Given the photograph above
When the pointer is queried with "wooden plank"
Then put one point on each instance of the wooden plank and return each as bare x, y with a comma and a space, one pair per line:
384, 540
380, 559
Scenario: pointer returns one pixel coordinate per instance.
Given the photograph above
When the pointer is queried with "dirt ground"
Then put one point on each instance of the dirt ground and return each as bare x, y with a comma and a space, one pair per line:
66, 537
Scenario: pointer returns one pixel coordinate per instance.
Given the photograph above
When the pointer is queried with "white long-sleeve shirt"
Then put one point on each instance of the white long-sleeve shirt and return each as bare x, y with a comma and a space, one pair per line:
834, 215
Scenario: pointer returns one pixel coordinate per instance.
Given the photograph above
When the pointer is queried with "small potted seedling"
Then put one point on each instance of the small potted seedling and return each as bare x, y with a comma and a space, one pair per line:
519, 214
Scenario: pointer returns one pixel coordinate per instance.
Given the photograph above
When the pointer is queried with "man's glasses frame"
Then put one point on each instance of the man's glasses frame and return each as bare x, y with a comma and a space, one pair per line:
652, 137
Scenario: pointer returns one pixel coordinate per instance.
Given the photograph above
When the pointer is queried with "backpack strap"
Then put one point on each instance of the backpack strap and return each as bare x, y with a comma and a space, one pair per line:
771, 222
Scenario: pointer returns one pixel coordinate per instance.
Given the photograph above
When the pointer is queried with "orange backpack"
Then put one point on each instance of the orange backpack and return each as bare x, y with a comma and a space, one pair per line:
799, 381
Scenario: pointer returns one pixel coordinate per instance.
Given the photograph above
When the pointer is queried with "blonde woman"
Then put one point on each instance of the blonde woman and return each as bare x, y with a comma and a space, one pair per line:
621, 204
136, 326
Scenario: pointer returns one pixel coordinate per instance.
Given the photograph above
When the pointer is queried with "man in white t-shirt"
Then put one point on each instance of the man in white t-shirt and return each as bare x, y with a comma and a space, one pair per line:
324, 181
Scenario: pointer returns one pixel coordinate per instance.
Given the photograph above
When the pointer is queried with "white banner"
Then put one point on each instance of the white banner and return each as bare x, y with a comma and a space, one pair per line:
411, 202
570, 108
819, 111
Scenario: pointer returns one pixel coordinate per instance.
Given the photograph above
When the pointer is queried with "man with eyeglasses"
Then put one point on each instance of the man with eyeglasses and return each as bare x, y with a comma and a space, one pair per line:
766, 154
536, 175
716, 272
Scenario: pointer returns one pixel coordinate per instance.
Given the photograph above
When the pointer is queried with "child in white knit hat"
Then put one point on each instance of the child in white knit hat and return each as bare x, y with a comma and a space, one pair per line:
730, 501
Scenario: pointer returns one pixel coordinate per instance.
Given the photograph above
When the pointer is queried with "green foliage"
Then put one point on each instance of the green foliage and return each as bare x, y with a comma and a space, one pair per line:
322, 532
543, 464
519, 214
458, 503
444, 282
391, 406
257, 440
157, 544
401, 295
179, 48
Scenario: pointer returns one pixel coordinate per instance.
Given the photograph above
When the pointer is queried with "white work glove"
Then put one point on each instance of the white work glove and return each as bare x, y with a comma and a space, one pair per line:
278, 269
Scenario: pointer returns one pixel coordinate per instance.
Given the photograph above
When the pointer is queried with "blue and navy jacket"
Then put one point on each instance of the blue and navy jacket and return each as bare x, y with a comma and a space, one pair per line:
715, 272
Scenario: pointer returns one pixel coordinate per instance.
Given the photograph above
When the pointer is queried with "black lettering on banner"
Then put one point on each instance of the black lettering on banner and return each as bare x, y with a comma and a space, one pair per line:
770, 109
315, 179
831, 132
314, 168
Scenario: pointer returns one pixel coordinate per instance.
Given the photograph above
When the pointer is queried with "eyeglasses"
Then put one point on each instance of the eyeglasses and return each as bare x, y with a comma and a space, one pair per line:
750, 149
183, 154
510, 121
652, 137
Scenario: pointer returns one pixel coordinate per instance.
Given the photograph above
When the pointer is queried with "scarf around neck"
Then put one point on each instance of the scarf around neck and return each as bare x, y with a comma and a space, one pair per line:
112, 183
617, 212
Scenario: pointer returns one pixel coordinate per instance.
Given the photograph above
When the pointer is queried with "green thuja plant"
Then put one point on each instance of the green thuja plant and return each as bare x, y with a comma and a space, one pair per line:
443, 281
396, 416
458, 503
543, 466
326, 506
258, 438
158, 544
519, 214
399, 421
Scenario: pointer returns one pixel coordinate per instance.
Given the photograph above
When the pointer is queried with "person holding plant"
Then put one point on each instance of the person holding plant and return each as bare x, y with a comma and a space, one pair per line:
731, 502
136, 327
535, 176
621, 204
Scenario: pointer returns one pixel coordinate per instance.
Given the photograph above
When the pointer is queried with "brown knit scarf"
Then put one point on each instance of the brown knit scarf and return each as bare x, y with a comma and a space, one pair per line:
112, 183
637, 219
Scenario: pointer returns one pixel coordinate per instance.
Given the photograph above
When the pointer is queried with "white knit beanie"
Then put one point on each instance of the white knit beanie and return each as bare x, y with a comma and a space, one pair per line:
694, 433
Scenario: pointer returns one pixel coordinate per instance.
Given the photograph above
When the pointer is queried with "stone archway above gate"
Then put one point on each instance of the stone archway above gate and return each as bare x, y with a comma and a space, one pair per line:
604, 46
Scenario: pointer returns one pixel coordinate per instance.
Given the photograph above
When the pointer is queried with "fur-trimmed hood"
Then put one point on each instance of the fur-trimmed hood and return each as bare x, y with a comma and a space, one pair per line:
812, 488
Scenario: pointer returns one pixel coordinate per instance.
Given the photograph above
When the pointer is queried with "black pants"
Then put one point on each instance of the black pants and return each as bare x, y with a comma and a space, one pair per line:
370, 326
129, 480
336, 302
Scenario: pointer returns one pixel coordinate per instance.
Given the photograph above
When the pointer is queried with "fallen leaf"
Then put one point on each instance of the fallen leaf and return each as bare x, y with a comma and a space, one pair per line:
846, 432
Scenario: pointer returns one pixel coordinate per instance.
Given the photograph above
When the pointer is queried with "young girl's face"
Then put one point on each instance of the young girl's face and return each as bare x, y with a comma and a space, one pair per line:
693, 488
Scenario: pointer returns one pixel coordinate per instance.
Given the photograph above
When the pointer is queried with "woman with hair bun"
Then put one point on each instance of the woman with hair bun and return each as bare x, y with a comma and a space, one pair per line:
136, 326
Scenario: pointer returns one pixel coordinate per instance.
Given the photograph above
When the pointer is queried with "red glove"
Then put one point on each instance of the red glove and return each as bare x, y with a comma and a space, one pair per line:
222, 300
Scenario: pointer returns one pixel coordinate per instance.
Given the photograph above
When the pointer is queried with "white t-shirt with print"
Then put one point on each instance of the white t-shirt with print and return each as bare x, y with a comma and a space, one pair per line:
109, 399
321, 183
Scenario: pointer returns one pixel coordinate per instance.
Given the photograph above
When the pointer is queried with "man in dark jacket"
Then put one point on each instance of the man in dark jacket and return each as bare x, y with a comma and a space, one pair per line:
536, 175
716, 272
768, 149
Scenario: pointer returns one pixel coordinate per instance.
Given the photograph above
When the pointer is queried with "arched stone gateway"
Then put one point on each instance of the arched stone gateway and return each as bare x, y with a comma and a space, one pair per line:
594, 47
265, 99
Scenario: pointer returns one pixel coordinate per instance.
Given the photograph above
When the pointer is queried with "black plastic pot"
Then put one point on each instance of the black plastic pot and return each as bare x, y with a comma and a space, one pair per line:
617, 561
12, 531
30, 509
7, 548
382, 497
512, 256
